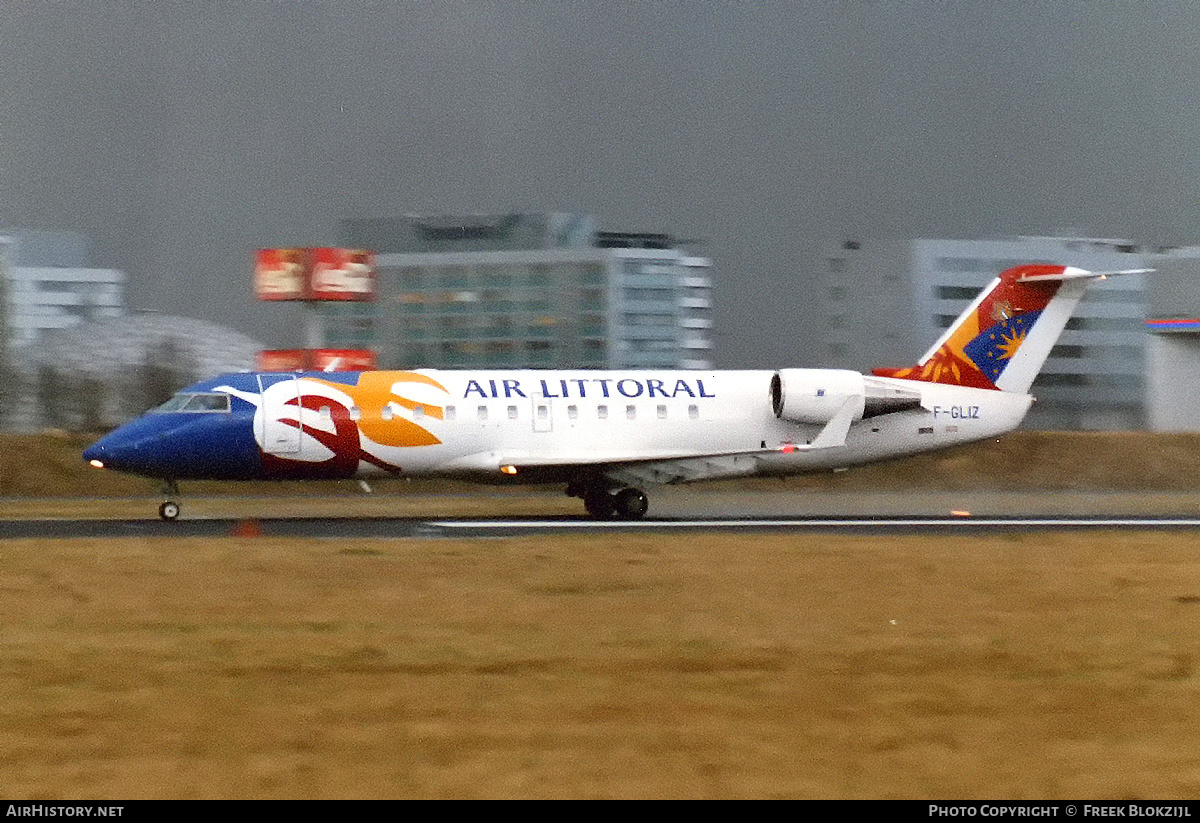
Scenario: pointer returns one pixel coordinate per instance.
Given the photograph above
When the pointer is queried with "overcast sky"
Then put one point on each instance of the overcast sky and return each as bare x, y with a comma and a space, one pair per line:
182, 136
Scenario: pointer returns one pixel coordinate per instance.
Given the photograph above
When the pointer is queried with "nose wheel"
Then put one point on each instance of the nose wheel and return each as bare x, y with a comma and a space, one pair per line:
169, 510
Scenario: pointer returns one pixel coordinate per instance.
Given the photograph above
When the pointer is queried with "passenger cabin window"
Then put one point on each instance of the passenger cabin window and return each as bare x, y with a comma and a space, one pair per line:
662, 412
694, 411
631, 412
573, 412
482, 412
385, 413
451, 412
418, 412
355, 413
512, 412
326, 413
602, 412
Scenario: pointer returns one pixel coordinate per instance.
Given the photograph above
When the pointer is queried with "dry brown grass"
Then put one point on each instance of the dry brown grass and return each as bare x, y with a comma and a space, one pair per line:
1031, 666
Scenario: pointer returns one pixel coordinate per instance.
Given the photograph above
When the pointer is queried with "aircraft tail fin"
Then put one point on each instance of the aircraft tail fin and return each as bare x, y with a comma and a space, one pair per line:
1002, 339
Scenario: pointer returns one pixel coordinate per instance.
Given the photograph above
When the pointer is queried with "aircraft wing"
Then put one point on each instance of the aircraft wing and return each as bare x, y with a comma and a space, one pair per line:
658, 469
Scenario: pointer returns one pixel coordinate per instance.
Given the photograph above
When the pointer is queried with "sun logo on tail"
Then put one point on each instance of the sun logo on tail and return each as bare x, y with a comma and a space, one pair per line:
992, 351
941, 369
1010, 343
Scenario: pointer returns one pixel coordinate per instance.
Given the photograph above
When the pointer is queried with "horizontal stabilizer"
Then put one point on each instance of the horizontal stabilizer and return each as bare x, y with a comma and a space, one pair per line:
1071, 273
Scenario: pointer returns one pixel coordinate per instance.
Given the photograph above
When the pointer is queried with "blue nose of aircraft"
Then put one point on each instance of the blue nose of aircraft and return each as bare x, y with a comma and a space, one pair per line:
147, 446
123, 453
98, 454
180, 447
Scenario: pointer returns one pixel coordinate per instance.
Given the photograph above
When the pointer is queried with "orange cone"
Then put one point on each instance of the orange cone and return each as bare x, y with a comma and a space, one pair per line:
247, 528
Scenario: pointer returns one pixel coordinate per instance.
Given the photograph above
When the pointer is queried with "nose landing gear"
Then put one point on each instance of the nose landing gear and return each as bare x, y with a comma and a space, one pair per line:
169, 510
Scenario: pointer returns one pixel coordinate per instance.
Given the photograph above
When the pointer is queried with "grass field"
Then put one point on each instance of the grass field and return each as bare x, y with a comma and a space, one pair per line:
1019, 666
1023, 666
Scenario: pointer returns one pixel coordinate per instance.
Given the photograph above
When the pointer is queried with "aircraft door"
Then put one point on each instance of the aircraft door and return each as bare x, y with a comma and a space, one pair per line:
543, 414
280, 413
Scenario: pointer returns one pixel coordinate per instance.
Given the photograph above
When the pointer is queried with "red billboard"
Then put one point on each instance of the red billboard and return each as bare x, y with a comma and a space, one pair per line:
342, 360
283, 360
280, 360
342, 274
314, 274
279, 274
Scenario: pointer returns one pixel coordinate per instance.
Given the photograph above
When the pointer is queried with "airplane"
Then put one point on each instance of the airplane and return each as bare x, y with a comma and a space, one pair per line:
608, 434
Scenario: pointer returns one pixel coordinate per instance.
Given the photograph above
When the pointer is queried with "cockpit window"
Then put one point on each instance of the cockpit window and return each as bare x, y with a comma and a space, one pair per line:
207, 403
195, 402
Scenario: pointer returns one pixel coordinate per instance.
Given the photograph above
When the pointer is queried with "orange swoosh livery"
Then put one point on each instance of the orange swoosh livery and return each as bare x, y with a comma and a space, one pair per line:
377, 390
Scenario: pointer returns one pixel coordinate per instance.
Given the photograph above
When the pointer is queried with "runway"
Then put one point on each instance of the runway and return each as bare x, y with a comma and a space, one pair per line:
485, 528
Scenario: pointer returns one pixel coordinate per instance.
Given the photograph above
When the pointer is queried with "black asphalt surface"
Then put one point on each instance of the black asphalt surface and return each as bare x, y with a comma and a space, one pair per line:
398, 528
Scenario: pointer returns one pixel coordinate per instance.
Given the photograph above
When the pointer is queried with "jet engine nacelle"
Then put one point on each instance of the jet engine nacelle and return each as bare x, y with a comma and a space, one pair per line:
816, 395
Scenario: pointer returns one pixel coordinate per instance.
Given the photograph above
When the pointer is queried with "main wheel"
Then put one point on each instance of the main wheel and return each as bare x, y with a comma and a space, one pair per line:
169, 510
631, 504
599, 505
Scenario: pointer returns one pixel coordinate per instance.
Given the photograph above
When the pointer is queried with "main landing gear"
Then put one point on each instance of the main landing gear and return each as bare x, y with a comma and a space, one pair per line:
169, 510
602, 503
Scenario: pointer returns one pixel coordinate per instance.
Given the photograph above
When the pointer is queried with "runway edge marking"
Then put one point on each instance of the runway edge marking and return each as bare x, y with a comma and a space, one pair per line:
818, 523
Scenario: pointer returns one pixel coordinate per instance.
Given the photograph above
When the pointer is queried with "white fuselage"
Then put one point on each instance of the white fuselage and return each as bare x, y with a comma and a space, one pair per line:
655, 426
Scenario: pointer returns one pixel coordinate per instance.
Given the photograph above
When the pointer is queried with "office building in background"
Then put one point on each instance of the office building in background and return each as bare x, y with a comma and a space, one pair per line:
525, 291
50, 285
